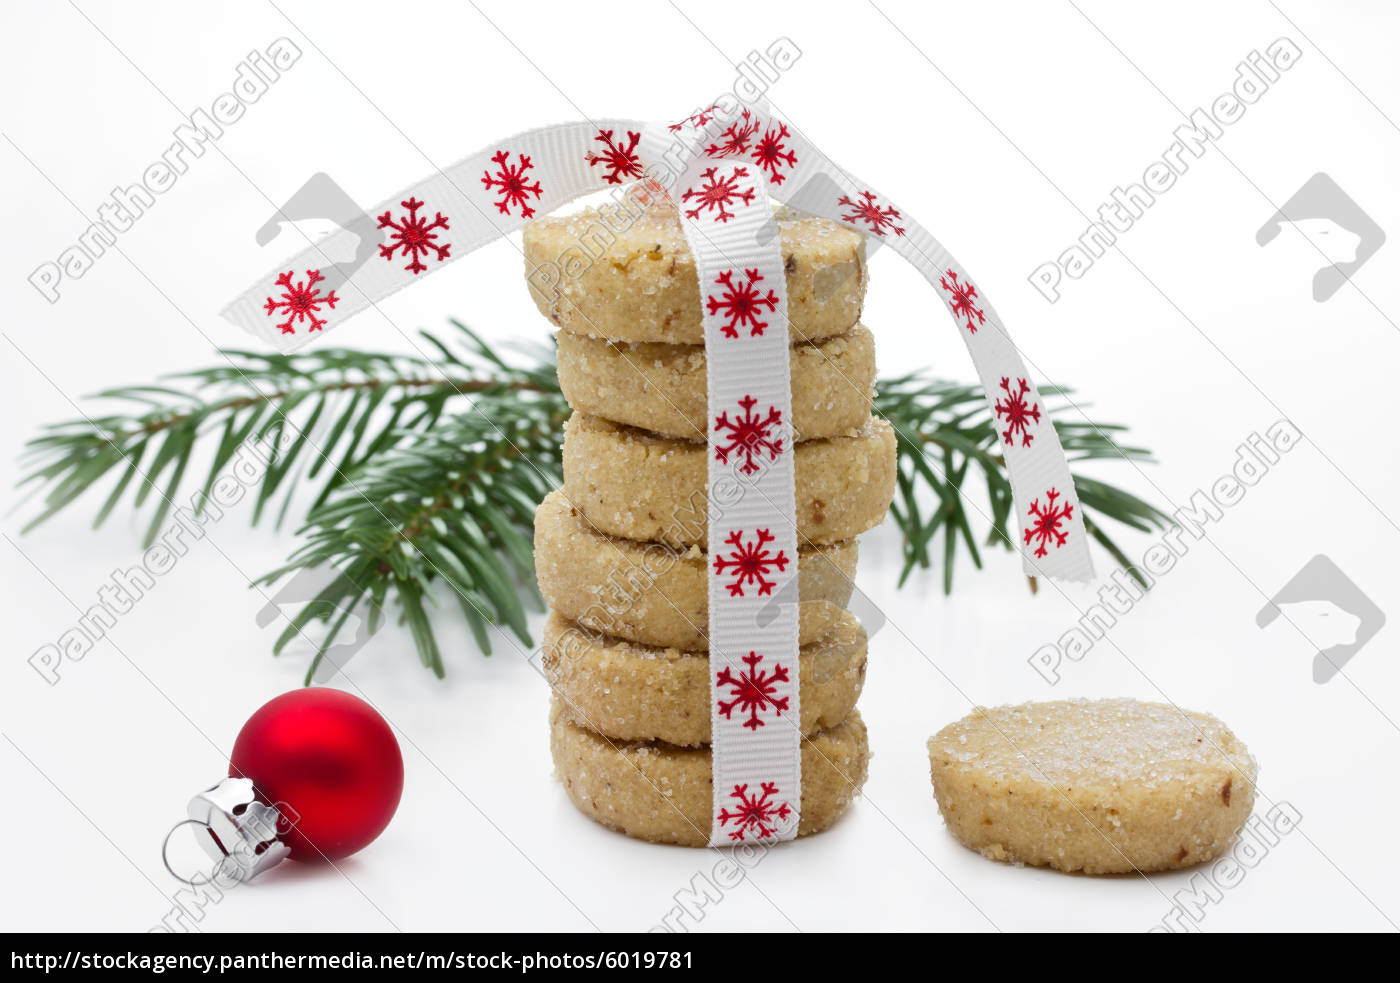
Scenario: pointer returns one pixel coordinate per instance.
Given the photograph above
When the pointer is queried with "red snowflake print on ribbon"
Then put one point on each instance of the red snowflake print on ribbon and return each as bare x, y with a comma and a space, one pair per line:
618, 159
415, 235
868, 211
1017, 411
702, 118
1046, 524
735, 139
753, 691
961, 299
509, 182
770, 155
301, 301
756, 816
748, 436
717, 195
741, 303
750, 563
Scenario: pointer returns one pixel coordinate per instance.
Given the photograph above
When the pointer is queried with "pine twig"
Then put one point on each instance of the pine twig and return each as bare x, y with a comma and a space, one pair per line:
325, 403
415, 493
944, 429
453, 505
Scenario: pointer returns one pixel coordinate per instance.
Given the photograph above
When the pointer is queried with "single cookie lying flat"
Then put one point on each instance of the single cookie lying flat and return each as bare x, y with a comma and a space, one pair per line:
657, 792
642, 285
661, 387
637, 485
628, 691
1099, 786
656, 595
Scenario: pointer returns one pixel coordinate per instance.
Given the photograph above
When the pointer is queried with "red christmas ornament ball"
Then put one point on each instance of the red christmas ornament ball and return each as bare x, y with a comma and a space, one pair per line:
329, 762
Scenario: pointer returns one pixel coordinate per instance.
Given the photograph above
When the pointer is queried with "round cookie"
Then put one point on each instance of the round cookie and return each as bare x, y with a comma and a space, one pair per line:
662, 387
639, 692
1099, 786
655, 595
643, 285
657, 792
641, 486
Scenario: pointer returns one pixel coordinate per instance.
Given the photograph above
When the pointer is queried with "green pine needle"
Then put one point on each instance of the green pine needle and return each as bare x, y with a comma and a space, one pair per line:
429, 471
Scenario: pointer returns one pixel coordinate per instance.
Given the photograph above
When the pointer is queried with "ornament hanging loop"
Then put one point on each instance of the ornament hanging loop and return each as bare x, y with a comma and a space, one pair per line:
165, 853
239, 833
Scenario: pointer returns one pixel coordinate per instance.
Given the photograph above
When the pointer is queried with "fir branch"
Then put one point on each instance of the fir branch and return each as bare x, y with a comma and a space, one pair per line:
456, 505
329, 398
944, 429
415, 494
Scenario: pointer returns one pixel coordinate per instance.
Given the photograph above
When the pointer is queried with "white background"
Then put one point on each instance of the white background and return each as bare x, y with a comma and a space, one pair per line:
993, 124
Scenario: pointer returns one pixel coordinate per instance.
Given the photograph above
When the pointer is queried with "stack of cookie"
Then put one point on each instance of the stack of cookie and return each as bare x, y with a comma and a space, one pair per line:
620, 549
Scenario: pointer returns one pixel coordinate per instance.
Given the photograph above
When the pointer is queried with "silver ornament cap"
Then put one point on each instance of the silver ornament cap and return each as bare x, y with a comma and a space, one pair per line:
239, 833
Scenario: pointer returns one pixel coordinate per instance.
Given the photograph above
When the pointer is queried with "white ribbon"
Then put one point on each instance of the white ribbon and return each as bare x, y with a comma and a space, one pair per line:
720, 169
756, 747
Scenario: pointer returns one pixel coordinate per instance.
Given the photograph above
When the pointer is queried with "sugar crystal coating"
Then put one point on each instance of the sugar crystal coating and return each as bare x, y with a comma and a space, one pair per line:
659, 792
625, 649
615, 275
628, 691
1102, 786
659, 595
662, 387
642, 486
